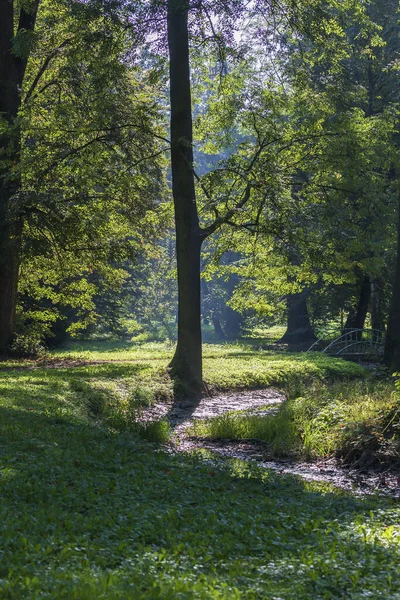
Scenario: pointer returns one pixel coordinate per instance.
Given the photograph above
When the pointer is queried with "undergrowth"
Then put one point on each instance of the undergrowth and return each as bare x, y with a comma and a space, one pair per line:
113, 382
112, 396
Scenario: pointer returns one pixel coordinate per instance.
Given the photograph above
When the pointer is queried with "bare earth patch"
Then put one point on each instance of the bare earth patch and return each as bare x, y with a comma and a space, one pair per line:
181, 414
260, 402
324, 470
210, 407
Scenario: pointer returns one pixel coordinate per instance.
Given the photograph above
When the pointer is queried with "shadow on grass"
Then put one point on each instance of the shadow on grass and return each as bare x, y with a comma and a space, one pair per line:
86, 513
112, 393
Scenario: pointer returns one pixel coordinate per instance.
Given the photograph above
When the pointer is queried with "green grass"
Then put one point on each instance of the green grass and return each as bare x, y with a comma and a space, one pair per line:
346, 418
262, 335
113, 381
241, 368
90, 512
111, 394
226, 366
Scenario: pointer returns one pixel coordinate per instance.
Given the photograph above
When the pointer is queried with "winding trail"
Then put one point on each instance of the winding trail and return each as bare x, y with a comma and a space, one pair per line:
264, 402
259, 402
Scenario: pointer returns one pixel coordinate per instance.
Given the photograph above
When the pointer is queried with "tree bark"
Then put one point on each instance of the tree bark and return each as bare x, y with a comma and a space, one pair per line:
12, 72
391, 356
356, 317
10, 246
299, 329
186, 365
9, 234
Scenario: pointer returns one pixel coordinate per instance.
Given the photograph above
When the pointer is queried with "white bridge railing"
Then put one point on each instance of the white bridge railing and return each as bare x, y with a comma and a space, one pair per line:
367, 342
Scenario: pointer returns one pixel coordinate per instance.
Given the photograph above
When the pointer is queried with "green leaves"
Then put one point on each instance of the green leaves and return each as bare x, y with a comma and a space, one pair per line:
91, 160
23, 43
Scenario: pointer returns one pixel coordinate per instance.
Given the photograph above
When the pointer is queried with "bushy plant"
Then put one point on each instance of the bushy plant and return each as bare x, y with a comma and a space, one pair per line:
29, 342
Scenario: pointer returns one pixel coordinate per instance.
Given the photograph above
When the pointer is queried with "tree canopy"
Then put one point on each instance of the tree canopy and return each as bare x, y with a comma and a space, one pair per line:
272, 128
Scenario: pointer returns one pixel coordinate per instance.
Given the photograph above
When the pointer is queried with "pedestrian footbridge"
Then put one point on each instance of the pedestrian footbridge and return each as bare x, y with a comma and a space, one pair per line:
353, 343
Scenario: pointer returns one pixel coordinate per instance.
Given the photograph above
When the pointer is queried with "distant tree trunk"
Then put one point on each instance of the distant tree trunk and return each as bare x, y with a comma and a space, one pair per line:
219, 332
233, 323
186, 365
12, 71
358, 314
391, 356
211, 312
377, 319
299, 329
233, 320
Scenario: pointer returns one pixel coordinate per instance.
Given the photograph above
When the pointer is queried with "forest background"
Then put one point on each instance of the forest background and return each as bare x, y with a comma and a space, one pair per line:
284, 174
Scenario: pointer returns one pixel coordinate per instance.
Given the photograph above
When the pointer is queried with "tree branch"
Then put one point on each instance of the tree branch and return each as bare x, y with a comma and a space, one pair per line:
44, 67
207, 231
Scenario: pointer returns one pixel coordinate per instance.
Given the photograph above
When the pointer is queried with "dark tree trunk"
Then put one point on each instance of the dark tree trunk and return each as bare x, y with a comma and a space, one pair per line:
377, 318
186, 365
10, 245
212, 313
9, 231
357, 316
391, 356
233, 323
299, 329
12, 71
233, 320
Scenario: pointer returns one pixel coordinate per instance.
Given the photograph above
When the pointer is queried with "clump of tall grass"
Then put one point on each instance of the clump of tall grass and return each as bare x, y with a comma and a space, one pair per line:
345, 418
277, 430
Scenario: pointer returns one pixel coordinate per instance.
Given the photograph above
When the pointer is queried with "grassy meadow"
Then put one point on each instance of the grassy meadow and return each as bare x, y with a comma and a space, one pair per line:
95, 506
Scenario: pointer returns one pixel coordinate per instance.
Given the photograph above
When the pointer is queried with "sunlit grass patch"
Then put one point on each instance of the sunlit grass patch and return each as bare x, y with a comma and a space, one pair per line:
226, 366
109, 350
111, 395
240, 369
266, 334
277, 430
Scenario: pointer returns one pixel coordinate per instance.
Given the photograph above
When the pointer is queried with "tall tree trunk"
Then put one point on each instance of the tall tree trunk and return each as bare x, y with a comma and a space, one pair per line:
10, 246
391, 356
9, 231
186, 365
357, 316
12, 71
299, 329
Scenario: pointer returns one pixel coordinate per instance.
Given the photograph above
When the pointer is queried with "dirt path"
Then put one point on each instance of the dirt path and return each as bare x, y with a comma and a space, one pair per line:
262, 402
209, 407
